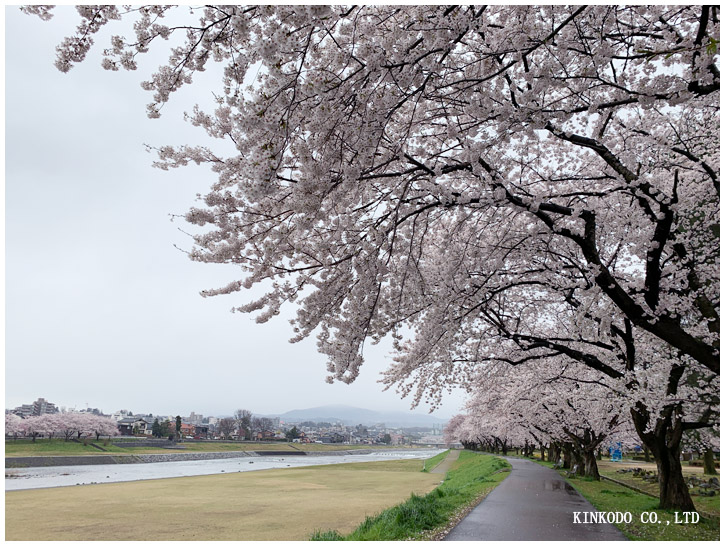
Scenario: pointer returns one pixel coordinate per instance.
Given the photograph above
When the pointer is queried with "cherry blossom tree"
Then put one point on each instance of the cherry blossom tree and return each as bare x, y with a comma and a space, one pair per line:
592, 129
51, 424
451, 432
69, 425
13, 425
48, 425
490, 426
103, 426
495, 184
83, 425
485, 427
560, 404
461, 428
33, 427
577, 409
668, 399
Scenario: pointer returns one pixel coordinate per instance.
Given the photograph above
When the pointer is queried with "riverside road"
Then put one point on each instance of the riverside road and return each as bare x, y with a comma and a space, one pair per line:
532, 503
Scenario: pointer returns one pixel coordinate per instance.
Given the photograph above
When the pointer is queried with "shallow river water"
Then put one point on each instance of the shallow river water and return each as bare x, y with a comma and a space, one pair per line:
58, 476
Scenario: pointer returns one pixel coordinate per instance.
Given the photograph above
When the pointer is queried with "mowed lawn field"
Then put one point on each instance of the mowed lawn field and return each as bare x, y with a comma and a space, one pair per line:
287, 504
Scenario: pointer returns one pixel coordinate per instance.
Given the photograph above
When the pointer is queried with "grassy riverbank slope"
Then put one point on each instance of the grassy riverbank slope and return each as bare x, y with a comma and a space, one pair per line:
470, 478
59, 447
287, 504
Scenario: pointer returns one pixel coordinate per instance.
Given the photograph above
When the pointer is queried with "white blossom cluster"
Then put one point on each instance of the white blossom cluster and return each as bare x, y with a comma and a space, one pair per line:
67, 425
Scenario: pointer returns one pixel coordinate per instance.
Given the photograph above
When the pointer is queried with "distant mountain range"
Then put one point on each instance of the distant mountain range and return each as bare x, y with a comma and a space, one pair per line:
353, 416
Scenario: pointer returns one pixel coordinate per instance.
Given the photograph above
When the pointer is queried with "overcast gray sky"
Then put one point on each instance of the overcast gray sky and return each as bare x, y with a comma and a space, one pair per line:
101, 308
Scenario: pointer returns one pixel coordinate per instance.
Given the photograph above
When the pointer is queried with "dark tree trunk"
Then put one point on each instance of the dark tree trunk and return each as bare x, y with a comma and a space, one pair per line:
664, 443
647, 457
579, 462
550, 456
585, 445
709, 463
504, 447
591, 470
674, 493
567, 456
541, 450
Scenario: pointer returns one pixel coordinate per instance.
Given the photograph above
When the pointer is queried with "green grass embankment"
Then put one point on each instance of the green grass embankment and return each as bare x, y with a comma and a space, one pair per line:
430, 464
59, 447
470, 479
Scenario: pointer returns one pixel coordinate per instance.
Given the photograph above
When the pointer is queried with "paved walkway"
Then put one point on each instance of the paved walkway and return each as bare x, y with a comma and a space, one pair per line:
445, 465
532, 503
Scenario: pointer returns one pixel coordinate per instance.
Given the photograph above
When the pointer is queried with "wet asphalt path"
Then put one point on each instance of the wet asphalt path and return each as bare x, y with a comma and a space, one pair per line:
532, 503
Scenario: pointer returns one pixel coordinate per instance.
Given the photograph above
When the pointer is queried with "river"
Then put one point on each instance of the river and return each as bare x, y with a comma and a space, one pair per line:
61, 476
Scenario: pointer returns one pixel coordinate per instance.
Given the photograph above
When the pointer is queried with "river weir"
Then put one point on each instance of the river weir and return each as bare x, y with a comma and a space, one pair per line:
38, 477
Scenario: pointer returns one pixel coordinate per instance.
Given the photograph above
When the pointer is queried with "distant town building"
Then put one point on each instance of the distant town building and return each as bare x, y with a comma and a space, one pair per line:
94, 411
24, 411
134, 425
121, 414
201, 431
40, 407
